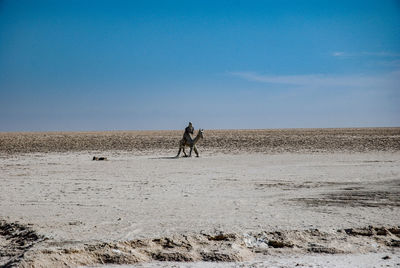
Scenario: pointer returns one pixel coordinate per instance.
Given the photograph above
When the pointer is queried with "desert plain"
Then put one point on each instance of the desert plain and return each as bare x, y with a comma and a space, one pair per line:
259, 198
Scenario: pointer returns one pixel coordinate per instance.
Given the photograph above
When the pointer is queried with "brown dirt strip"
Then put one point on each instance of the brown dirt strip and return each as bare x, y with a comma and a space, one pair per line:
225, 141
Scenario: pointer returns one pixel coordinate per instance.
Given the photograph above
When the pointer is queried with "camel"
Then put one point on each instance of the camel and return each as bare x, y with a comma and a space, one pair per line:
191, 144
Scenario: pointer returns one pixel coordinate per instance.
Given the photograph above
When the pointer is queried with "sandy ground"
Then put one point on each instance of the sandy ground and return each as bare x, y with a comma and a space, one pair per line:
333, 192
369, 260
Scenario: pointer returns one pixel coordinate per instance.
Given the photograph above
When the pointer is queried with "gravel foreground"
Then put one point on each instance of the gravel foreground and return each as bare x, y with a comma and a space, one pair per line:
254, 198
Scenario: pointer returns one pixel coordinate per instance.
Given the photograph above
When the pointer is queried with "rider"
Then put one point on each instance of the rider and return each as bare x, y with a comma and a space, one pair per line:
188, 130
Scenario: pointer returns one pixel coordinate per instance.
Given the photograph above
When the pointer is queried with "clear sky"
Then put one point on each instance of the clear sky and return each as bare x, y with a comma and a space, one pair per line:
127, 65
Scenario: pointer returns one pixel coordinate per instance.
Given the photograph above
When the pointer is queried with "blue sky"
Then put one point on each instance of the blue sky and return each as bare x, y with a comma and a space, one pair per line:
128, 65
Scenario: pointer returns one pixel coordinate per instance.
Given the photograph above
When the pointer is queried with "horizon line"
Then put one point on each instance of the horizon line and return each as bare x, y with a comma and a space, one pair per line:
212, 129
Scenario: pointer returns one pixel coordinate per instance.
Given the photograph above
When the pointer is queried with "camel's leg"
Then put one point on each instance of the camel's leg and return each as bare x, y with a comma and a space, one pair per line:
181, 146
180, 149
179, 152
195, 150
184, 151
190, 152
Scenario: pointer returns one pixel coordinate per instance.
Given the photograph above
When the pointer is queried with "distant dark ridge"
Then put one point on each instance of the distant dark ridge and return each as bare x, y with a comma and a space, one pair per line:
225, 141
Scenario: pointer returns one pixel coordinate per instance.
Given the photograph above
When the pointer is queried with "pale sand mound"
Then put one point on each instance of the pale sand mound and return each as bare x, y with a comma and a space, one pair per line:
200, 247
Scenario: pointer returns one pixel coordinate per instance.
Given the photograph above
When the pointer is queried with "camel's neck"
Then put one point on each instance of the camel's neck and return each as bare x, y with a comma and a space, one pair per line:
197, 138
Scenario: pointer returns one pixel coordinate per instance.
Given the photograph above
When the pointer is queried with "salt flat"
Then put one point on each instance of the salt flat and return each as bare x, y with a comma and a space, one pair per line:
70, 197
244, 199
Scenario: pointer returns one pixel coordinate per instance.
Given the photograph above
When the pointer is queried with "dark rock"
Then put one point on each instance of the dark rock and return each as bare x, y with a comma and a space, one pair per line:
216, 256
321, 249
381, 231
222, 237
279, 244
101, 158
171, 256
362, 232
393, 243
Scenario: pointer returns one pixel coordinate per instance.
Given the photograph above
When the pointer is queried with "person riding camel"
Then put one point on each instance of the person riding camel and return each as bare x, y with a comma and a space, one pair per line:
188, 131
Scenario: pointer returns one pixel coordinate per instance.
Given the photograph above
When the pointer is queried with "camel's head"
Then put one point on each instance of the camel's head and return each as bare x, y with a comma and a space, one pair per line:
201, 132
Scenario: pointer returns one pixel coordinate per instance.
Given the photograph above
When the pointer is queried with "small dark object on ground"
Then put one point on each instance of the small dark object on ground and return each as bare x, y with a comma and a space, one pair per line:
95, 158
279, 244
386, 257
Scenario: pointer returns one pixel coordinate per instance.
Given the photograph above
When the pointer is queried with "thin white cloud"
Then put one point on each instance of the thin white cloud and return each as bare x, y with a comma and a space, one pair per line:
338, 54
342, 54
322, 81
391, 63
382, 54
